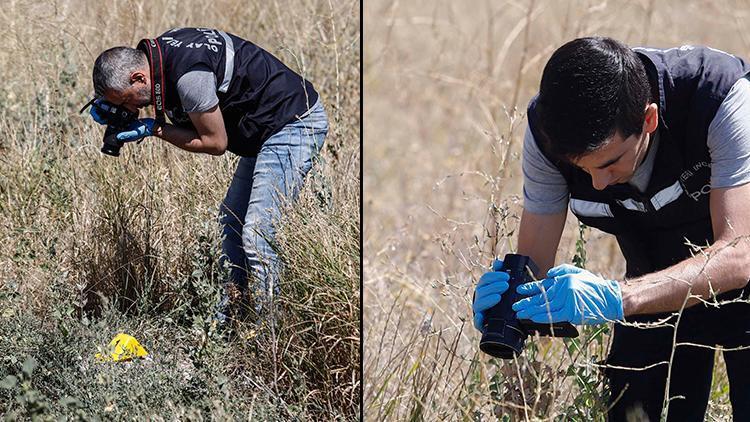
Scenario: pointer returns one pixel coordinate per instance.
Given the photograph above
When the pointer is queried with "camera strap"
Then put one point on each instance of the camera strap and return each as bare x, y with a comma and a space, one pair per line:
156, 64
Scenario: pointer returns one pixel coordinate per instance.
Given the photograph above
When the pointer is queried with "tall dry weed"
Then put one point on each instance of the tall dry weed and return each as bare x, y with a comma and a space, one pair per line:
446, 86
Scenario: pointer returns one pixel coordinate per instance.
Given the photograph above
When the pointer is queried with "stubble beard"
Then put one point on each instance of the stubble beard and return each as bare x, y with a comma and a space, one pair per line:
144, 97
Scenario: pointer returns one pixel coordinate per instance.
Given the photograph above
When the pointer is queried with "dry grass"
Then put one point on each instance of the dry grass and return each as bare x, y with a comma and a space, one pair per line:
446, 85
91, 245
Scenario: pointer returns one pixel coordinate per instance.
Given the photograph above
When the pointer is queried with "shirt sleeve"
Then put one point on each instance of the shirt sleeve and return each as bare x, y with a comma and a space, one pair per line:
544, 188
729, 138
197, 91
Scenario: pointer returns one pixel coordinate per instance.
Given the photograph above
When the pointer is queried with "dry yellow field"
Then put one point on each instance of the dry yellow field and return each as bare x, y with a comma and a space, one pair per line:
446, 85
92, 245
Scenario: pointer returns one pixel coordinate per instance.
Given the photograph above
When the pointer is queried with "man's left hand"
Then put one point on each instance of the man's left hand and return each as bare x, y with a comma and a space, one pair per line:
137, 130
570, 294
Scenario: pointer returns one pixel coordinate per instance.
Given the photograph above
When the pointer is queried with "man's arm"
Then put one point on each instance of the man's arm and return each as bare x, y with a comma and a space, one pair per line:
545, 199
210, 136
538, 237
725, 264
722, 267
545, 206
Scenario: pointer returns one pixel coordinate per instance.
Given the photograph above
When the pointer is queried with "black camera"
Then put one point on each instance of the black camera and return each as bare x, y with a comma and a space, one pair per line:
504, 334
118, 119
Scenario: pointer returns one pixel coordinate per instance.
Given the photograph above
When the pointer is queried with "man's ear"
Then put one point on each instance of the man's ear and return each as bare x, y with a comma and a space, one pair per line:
651, 122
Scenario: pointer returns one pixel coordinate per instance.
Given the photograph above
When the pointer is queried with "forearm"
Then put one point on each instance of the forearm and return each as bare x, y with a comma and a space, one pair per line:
187, 139
539, 236
718, 269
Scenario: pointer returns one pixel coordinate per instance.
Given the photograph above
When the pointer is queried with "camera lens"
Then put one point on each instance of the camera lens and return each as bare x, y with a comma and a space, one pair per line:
502, 338
110, 144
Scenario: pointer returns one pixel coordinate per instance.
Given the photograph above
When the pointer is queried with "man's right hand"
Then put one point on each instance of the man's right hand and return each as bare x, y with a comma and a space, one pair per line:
137, 130
98, 111
488, 292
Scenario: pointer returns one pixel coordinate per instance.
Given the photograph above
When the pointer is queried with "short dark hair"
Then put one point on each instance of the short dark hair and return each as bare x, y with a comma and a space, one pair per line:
591, 88
113, 67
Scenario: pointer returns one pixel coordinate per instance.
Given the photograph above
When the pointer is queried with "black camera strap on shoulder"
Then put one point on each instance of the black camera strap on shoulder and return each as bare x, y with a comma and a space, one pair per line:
156, 64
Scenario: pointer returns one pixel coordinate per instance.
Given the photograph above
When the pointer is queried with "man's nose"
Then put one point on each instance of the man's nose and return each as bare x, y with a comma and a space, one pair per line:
600, 179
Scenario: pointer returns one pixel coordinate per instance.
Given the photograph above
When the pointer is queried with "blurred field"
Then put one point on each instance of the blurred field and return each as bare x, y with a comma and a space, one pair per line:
92, 245
446, 87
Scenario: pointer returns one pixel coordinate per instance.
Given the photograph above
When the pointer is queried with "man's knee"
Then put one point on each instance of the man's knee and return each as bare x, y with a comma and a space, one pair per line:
257, 237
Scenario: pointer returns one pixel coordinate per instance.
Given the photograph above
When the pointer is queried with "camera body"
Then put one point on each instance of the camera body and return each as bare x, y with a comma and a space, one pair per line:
118, 119
504, 334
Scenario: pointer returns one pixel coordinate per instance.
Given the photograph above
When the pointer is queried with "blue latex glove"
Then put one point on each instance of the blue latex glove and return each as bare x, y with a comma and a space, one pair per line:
98, 111
487, 294
137, 130
574, 295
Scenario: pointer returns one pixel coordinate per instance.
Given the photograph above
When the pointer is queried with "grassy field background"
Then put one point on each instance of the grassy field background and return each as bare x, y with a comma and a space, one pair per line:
446, 87
92, 245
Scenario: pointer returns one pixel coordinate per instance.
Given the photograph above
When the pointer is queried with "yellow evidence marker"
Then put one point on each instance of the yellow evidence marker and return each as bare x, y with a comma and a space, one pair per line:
123, 348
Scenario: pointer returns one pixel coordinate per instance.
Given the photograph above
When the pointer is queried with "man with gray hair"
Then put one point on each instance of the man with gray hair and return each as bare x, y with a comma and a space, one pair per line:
223, 93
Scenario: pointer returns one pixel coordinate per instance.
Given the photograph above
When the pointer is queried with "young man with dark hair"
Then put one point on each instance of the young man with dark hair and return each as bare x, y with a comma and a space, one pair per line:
223, 93
652, 146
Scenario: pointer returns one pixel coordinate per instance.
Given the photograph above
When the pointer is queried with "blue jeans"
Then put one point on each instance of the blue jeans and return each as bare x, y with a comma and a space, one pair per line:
251, 208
